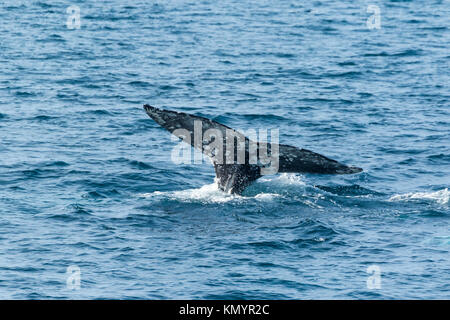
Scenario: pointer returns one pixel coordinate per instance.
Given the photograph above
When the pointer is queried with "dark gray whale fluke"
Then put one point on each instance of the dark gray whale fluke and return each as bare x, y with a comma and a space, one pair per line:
234, 176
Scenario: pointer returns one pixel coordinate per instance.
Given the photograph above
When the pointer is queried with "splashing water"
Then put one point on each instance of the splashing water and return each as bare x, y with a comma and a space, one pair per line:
208, 194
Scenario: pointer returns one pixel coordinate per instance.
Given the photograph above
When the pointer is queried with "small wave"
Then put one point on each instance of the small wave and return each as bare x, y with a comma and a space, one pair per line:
441, 196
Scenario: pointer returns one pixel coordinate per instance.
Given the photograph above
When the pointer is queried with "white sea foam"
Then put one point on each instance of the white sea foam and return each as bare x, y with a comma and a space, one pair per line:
441, 196
209, 193
284, 179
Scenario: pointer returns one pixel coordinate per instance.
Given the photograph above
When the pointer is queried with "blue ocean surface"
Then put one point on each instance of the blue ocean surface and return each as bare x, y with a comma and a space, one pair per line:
93, 207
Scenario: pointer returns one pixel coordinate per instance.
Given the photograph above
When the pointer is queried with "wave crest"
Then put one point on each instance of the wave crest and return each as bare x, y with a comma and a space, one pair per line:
440, 196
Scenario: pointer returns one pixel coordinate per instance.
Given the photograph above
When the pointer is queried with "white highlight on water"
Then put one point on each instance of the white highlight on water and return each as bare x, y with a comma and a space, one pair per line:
285, 179
441, 196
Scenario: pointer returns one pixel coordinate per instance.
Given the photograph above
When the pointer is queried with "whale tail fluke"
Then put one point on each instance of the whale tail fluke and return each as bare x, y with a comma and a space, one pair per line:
235, 177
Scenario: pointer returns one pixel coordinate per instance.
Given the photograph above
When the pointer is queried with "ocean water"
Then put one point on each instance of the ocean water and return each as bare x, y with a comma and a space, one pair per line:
87, 182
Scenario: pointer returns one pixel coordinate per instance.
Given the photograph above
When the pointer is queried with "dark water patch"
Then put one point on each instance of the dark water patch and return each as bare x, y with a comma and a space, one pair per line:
52, 38
415, 21
22, 269
167, 87
264, 117
270, 265
401, 151
95, 86
353, 190
322, 28
409, 53
366, 295
43, 118
226, 118
76, 172
141, 84
405, 53
301, 73
111, 192
43, 5
350, 74
407, 161
98, 112
25, 94
17, 188
347, 63
69, 97
41, 173
433, 137
57, 163
436, 213
14, 7
63, 217
440, 28
439, 158
365, 94
285, 55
